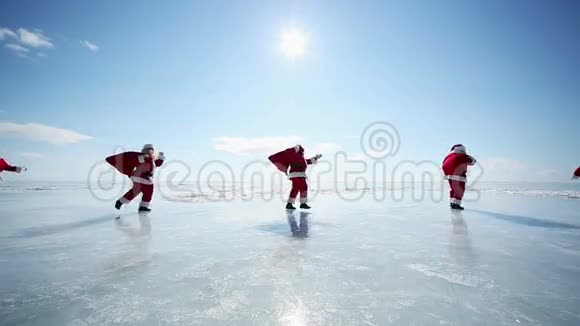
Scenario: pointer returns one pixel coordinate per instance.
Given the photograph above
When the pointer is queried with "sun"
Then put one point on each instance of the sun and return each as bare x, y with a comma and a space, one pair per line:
293, 43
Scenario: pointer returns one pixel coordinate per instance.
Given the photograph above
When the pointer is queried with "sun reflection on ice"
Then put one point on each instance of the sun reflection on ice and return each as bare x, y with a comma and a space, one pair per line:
294, 316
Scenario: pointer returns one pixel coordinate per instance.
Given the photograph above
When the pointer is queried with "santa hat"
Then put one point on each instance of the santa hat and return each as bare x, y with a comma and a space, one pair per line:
147, 147
458, 149
298, 149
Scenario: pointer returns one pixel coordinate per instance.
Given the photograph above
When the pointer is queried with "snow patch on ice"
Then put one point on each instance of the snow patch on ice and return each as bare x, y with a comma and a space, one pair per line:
42, 188
570, 191
545, 193
461, 279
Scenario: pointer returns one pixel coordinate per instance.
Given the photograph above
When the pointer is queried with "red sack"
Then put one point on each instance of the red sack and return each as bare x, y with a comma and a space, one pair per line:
283, 159
456, 164
124, 162
3, 165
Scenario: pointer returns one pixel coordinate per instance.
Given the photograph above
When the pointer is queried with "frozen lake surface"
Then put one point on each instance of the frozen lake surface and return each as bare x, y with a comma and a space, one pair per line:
505, 260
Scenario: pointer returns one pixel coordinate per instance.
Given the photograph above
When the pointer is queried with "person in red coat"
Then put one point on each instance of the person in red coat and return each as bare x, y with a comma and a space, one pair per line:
140, 167
291, 161
4, 166
455, 169
576, 174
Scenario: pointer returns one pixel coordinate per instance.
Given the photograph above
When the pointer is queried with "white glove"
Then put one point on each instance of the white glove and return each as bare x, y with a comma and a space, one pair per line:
316, 158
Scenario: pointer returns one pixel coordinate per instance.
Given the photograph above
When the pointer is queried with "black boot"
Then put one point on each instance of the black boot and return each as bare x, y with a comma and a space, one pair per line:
304, 206
290, 206
300, 234
144, 209
456, 206
118, 204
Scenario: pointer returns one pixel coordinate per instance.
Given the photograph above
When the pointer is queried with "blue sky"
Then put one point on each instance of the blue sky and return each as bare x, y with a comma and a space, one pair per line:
503, 78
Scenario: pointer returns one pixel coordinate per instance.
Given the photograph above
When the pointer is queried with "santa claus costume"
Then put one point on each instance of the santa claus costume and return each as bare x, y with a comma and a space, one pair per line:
576, 173
140, 167
455, 169
4, 166
291, 161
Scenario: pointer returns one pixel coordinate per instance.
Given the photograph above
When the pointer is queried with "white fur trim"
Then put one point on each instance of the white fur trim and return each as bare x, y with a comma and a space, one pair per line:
455, 201
303, 200
456, 178
124, 200
291, 200
141, 158
142, 180
144, 204
18, 169
296, 175
314, 160
147, 147
459, 149
297, 148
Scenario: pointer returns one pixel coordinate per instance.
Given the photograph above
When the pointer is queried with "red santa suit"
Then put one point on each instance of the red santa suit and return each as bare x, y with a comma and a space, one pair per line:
292, 162
4, 166
455, 169
140, 168
576, 173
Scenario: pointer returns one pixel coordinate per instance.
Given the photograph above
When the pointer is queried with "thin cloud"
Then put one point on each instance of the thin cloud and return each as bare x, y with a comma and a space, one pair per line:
269, 145
17, 48
30, 154
41, 133
6, 33
358, 157
23, 41
508, 169
326, 149
34, 39
89, 45
260, 145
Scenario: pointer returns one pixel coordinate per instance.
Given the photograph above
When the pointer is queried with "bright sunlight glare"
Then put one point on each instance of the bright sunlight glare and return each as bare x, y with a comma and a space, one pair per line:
293, 43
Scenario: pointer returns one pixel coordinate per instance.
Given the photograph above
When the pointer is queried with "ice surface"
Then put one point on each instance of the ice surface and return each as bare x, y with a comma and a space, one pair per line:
505, 260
